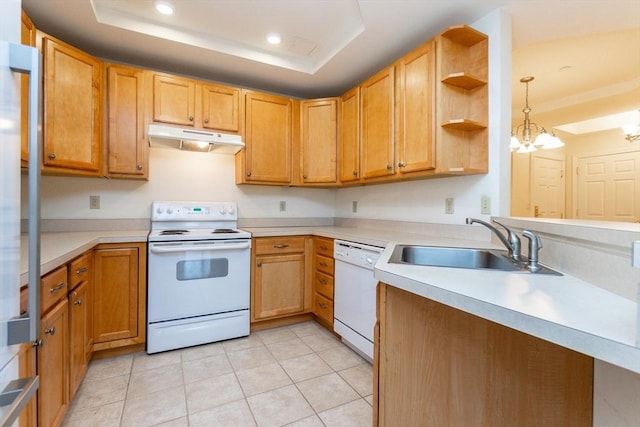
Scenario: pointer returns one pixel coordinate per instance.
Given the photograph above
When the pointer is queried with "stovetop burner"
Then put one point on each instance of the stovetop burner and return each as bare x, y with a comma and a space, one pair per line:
224, 230
173, 232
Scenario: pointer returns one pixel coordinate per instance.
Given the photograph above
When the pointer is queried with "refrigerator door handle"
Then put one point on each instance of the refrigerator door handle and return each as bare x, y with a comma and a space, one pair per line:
27, 60
17, 394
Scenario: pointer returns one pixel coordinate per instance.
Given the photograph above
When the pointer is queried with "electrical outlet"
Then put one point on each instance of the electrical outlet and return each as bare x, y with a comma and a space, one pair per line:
283, 206
354, 206
485, 205
448, 205
94, 202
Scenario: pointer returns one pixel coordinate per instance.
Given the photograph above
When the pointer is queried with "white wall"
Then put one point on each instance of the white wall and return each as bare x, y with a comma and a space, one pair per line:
424, 201
177, 175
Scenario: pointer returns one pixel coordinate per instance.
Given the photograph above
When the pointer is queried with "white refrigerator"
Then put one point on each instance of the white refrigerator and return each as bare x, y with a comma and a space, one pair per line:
15, 327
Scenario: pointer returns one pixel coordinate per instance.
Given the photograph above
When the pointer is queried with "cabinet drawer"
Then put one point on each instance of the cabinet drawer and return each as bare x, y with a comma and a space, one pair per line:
324, 246
53, 287
324, 264
279, 245
79, 270
323, 308
324, 284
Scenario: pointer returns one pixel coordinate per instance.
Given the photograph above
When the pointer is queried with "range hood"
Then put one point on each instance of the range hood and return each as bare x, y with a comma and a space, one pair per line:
193, 139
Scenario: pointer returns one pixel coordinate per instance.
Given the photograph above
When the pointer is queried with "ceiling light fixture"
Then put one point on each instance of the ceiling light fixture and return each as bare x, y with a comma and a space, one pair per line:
163, 6
543, 140
274, 38
632, 130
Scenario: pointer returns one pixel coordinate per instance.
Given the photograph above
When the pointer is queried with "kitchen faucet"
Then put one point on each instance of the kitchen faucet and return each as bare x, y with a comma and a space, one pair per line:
512, 243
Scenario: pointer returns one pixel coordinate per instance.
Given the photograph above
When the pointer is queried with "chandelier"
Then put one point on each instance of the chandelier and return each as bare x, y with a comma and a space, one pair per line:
526, 143
632, 130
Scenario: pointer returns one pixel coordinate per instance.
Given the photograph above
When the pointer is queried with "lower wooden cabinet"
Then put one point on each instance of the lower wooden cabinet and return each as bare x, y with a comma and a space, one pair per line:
27, 362
438, 366
280, 277
79, 335
119, 295
53, 366
323, 281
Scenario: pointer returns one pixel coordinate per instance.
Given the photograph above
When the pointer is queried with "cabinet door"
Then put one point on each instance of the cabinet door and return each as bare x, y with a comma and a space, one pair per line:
115, 305
126, 146
416, 95
267, 138
79, 333
377, 124
72, 109
349, 141
27, 360
174, 100
278, 286
319, 140
28, 37
53, 366
220, 107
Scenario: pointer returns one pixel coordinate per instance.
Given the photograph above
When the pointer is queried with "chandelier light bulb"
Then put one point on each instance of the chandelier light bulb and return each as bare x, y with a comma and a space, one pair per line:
163, 6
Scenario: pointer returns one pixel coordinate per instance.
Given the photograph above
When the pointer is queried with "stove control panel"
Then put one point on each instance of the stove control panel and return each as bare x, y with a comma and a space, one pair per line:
193, 211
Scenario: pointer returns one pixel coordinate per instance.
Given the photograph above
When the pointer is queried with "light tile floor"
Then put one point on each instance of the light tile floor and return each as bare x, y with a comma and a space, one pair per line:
298, 375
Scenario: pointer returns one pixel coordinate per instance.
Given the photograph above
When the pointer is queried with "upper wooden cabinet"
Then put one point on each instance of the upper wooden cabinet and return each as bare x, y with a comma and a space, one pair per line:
28, 37
72, 110
377, 97
415, 144
266, 158
188, 102
462, 101
127, 149
319, 135
349, 136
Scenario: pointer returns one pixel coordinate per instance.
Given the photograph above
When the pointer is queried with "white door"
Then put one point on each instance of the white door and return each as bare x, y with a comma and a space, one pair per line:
608, 187
547, 187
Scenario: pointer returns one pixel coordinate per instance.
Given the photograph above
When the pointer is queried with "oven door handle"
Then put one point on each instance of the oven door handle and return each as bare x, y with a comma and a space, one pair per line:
192, 248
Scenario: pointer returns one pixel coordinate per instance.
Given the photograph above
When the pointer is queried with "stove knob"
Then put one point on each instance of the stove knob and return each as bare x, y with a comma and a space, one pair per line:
169, 211
230, 210
159, 210
223, 211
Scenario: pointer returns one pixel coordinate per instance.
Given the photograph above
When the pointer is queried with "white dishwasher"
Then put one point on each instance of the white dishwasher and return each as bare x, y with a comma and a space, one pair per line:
355, 295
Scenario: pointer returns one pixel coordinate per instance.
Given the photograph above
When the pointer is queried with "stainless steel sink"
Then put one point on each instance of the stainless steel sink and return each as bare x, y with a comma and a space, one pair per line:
472, 258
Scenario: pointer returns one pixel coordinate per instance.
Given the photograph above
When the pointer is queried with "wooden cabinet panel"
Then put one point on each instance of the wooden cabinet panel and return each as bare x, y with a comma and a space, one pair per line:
319, 141
79, 335
279, 245
324, 308
377, 124
279, 285
415, 110
119, 295
27, 37
80, 269
53, 288
323, 281
268, 135
53, 366
441, 366
324, 284
174, 99
221, 108
324, 264
127, 149
72, 109
27, 360
349, 140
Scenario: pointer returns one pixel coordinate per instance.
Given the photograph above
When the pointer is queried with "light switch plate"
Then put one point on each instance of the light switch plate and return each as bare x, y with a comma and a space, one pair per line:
448, 205
485, 205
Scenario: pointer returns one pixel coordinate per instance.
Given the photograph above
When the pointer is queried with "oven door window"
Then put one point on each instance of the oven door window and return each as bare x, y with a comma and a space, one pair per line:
202, 268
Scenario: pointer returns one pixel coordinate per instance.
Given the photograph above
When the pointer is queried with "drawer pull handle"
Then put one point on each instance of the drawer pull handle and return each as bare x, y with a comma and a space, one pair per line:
322, 305
82, 270
57, 287
50, 331
280, 246
79, 302
322, 281
323, 264
323, 247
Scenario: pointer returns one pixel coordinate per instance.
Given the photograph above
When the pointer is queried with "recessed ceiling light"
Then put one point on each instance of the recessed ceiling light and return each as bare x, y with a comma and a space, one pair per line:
164, 7
274, 38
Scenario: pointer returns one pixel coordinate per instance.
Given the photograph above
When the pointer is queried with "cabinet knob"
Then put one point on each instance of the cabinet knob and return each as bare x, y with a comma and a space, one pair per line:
304, 176
248, 173
389, 166
355, 173
51, 156
139, 166
259, 264
50, 331
37, 343
401, 164
206, 120
79, 302
190, 118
